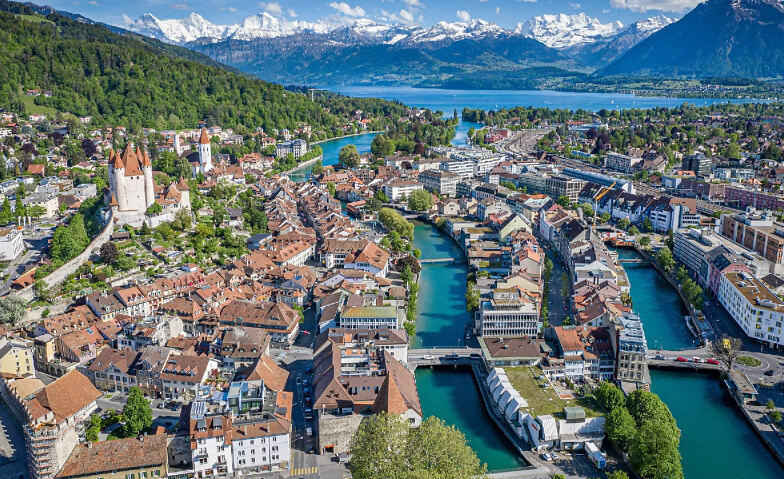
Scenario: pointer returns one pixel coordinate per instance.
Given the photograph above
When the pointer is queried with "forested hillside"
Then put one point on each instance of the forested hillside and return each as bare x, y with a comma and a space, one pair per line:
120, 79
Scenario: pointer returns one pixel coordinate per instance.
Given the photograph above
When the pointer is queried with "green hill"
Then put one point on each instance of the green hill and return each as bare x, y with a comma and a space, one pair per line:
125, 79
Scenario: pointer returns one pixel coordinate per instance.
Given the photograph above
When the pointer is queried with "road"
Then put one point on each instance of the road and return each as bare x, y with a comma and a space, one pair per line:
35, 243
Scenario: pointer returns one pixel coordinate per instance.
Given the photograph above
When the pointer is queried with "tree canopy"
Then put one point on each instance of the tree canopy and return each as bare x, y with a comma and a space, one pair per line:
137, 413
420, 200
386, 446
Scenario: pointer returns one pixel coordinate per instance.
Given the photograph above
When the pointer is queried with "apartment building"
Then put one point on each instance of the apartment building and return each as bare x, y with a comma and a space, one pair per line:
507, 313
630, 348
558, 185
623, 163
757, 232
398, 189
144, 457
442, 182
753, 306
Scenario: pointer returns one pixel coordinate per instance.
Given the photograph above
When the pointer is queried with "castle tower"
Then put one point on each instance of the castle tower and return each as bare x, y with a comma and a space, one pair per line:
185, 193
118, 172
205, 152
177, 148
149, 186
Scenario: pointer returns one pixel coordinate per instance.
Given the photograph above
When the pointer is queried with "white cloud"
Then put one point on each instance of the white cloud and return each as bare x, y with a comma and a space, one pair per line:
95, 4
407, 16
527, 1
575, 6
463, 16
229, 9
292, 13
498, 10
179, 6
77, 3
663, 5
346, 9
414, 3
272, 7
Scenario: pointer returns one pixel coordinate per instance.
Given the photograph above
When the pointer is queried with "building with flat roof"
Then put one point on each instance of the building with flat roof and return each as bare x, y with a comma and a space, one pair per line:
371, 317
11, 244
506, 313
755, 308
442, 182
757, 232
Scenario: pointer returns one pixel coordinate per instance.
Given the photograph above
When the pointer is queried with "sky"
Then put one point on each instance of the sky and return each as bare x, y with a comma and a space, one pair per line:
506, 13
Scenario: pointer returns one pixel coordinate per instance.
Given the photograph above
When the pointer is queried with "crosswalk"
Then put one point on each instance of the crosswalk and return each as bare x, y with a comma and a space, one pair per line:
303, 471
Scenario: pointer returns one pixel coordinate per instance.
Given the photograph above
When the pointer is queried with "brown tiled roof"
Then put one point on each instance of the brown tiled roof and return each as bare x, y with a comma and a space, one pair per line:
65, 397
204, 139
121, 358
265, 369
117, 455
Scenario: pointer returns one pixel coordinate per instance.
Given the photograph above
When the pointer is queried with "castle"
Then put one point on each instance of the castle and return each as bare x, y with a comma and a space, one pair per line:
132, 190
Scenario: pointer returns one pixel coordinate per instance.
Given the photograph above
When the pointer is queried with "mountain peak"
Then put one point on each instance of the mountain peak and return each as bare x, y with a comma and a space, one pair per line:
563, 31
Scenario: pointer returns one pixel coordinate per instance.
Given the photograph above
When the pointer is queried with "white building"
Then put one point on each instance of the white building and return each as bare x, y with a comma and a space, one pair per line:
211, 451
622, 163
397, 189
753, 306
11, 244
507, 314
371, 317
295, 147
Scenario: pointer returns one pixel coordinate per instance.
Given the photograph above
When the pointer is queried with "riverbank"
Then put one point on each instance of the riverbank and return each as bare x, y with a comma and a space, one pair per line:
346, 136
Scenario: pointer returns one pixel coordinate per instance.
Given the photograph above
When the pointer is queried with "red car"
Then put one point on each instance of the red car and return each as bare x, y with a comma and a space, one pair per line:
682, 360
712, 361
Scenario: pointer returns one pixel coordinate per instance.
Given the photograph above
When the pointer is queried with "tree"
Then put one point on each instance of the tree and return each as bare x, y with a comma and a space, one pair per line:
420, 200
726, 350
88, 147
6, 215
408, 262
609, 396
587, 210
605, 216
563, 201
633, 231
567, 321
381, 196
647, 226
185, 218
136, 413
654, 452
349, 156
92, 431
436, 450
472, 296
564, 285
385, 445
416, 253
13, 309
318, 168
644, 241
665, 259
36, 211
646, 406
154, 209
621, 428
623, 223
681, 273
406, 275
109, 252
617, 475
331, 188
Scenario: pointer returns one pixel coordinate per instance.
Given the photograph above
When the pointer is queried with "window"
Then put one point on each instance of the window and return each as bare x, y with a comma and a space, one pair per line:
143, 475
130, 476
156, 473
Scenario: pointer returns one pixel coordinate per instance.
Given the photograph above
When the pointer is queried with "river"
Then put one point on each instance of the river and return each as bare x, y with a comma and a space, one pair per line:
716, 441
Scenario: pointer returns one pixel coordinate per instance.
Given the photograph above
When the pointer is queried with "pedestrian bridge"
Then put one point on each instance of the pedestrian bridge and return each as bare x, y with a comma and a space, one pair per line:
634, 260
442, 260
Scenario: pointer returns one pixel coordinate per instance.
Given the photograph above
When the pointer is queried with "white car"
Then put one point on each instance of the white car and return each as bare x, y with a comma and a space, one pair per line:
428, 357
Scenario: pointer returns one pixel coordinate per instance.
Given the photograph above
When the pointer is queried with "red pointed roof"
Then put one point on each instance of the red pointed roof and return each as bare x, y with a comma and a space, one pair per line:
113, 202
146, 159
182, 185
131, 162
204, 139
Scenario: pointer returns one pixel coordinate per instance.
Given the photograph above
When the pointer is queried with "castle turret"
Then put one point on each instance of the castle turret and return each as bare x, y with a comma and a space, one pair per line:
177, 148
118, 172
149, 188
205, 152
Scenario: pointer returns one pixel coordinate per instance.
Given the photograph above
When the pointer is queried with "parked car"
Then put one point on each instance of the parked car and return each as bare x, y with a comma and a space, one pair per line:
681, 359
712, 361
696, 359
175, 407
769, 372
428, 357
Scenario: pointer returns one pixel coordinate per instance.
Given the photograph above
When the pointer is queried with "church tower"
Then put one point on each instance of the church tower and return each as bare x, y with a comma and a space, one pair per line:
205, 152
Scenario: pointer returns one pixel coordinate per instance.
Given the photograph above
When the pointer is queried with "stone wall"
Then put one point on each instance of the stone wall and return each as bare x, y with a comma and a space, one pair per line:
57, 276
337, 430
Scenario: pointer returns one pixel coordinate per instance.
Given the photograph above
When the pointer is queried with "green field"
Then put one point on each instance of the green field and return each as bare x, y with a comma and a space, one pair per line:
36, 19
544, 400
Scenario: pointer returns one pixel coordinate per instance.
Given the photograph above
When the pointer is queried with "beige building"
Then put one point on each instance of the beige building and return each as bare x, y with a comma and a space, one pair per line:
16, 358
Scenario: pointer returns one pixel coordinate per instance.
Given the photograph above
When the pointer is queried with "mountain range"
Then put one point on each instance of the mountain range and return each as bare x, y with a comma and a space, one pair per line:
458, 54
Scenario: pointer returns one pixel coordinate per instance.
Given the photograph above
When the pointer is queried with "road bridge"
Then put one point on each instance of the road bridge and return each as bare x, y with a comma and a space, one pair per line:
443, 357
634, 260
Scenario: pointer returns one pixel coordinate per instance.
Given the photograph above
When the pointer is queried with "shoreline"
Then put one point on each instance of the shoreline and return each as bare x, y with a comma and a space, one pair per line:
346, 136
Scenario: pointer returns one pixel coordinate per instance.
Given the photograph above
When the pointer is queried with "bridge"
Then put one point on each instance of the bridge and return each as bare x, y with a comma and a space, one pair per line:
442, 260
634, 260
443, 357
669, 360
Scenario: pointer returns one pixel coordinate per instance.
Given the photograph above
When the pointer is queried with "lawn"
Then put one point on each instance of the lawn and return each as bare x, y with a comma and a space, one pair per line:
544, 400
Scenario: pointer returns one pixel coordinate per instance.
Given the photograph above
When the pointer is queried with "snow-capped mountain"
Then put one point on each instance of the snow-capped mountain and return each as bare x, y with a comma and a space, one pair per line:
265, 25
563, 31
195, 27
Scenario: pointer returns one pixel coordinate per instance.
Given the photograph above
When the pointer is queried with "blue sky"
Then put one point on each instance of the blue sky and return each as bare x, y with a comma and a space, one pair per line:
423, 12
